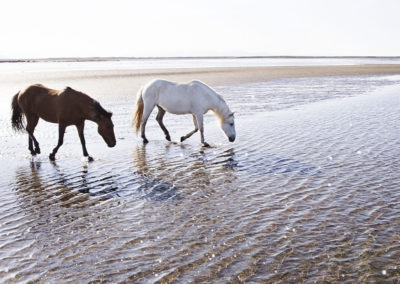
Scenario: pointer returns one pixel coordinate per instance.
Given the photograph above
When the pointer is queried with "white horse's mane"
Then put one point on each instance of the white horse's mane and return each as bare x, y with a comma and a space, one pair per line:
223, 112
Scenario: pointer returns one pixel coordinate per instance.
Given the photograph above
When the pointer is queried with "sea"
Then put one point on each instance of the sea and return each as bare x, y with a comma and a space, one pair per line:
308, 192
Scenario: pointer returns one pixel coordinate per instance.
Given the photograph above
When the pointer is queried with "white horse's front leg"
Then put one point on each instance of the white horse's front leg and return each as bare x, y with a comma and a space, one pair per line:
196, 128
201, 127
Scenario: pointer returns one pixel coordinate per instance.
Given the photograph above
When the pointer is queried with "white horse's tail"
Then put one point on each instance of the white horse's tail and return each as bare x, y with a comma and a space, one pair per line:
137, 117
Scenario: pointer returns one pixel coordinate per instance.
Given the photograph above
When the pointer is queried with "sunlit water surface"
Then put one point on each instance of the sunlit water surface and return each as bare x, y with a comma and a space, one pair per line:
309, 192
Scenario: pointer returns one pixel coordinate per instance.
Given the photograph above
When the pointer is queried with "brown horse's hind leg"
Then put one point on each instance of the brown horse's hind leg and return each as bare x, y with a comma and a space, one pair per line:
196, 128
61, 131
32, 121
159, 119
80, 128
30, 146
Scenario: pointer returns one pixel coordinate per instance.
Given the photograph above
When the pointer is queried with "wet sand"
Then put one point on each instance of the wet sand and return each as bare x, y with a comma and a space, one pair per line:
123, 84
213, 76
307, 192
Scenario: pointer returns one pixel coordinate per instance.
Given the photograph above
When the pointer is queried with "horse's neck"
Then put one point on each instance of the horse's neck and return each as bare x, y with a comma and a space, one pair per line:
221, 109
92, 117
91, 113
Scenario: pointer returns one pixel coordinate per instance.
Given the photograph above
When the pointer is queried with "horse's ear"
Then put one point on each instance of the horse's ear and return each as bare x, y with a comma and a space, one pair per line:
232, 113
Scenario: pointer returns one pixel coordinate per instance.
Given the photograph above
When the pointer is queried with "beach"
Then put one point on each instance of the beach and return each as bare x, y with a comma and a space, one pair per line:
212, 75
307, 192
106, 84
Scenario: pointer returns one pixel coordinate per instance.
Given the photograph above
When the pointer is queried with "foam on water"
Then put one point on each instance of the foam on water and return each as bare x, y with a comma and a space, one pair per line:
308, 192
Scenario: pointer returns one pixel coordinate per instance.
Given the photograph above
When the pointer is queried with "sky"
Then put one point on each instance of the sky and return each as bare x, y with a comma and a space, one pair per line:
77, 28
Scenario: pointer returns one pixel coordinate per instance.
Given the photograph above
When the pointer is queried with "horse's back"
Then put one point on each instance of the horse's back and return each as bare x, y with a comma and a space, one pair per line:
164, 86
158, 88
178, 98
158, 85
37, 91
50, 104
38, 100
36, 94
199, 87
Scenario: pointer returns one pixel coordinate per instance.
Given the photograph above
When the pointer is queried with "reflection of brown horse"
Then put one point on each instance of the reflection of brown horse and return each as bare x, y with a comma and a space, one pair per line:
66, 107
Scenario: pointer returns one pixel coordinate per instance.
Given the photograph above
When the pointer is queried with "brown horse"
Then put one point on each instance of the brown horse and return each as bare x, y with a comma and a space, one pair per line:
66, 107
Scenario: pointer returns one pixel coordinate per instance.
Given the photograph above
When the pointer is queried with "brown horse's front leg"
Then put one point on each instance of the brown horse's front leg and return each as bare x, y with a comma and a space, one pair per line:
80, 128
61, 131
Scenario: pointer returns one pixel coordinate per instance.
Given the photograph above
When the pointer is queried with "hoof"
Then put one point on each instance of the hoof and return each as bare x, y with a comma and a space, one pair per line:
52, 157
205, 144
182, 138
145, 141
37, 150
90, 159
168, 137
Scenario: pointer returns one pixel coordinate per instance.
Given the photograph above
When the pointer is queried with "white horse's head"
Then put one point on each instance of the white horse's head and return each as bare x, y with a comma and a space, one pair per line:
228, 126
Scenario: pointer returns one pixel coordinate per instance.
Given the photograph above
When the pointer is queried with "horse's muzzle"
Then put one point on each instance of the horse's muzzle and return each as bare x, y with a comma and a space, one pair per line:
111, 144
231, 139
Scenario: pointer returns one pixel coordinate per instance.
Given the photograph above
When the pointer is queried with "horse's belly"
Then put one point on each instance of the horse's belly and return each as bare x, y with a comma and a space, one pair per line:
47, 114
176, 107
176, 111
51, 119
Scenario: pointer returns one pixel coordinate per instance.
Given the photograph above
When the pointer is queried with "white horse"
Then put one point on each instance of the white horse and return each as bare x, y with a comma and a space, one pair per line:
194, 98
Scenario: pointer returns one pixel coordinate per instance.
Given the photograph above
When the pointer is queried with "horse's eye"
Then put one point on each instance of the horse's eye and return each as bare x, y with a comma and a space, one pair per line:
232, 124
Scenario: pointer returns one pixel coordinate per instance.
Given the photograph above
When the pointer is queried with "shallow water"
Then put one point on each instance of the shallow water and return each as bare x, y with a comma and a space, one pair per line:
308, 192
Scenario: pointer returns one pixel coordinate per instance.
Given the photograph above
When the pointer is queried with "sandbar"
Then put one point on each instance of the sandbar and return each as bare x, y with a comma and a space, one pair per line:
213, 76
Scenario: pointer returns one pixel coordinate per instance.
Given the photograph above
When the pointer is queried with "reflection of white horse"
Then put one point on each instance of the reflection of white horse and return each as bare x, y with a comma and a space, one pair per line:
195, 98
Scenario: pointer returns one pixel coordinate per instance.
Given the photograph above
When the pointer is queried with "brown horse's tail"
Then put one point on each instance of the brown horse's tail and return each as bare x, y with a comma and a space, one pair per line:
137, 117
17, 114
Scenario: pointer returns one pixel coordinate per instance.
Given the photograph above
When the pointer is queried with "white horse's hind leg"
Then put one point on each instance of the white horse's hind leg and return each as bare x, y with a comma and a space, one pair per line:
146, 113
196, 128
159, 118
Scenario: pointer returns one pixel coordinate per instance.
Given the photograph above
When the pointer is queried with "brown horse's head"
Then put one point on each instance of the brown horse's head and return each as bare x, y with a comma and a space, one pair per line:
105, 125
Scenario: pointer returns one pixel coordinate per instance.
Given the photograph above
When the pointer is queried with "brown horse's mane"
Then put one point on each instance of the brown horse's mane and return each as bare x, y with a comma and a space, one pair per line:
98, 109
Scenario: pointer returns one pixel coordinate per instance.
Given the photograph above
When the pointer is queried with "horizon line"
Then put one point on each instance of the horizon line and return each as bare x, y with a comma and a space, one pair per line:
116, 58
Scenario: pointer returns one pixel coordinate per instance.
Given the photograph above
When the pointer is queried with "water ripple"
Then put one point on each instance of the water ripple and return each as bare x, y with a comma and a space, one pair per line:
307, 193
